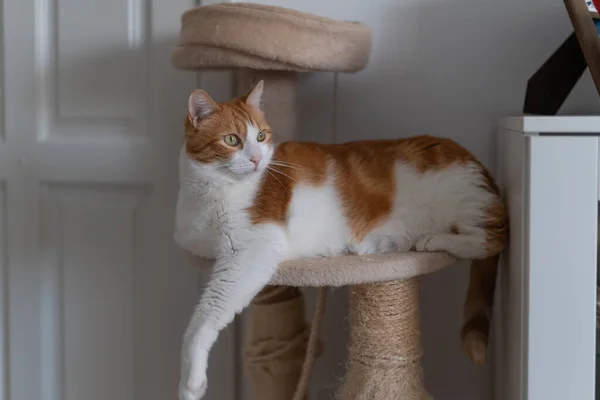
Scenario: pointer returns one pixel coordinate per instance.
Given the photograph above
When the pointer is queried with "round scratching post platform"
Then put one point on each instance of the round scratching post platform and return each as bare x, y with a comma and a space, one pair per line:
261, 37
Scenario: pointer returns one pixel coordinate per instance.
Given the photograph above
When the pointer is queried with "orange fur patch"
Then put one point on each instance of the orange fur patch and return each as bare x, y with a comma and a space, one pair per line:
364, 178
304, 162
496, 217
205, 144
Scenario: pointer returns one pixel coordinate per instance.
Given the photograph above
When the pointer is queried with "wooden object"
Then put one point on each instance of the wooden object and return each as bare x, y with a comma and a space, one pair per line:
549, 87
587, 36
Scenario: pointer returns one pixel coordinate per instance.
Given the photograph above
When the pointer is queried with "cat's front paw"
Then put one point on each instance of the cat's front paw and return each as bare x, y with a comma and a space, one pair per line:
192, 392
193, 383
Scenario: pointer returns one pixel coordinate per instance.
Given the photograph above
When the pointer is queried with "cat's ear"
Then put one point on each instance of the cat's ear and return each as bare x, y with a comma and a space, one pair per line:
200, 106
254, 97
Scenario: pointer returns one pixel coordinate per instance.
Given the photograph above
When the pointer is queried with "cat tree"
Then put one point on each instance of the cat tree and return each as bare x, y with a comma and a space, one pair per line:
276, 44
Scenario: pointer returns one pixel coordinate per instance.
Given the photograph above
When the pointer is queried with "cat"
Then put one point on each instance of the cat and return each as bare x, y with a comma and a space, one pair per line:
251, 204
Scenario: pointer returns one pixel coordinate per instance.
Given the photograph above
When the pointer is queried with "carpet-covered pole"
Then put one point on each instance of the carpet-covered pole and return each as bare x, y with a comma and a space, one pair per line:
385, 343
279, 99
277, 333
276, 343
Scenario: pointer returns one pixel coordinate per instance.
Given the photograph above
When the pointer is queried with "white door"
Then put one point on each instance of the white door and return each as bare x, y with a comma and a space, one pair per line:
94, 295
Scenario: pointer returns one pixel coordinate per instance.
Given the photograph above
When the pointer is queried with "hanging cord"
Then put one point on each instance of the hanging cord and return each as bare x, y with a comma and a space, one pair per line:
311, 347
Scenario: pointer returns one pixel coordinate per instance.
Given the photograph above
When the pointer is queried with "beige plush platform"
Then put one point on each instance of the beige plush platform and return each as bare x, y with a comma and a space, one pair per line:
352, 270
262, 37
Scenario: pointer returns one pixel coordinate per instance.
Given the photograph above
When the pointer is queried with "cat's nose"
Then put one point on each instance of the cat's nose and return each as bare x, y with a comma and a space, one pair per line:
256, 160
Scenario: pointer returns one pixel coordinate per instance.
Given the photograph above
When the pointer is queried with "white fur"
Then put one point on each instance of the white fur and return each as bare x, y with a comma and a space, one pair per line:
307, 233
212, 223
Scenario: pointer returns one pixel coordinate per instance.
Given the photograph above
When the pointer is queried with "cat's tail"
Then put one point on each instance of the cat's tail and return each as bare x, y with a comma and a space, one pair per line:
478, 308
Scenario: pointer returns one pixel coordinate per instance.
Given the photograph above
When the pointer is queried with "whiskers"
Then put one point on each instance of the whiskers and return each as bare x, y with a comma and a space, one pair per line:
272, 168
285, 164
277, 179
291, 166
280, 171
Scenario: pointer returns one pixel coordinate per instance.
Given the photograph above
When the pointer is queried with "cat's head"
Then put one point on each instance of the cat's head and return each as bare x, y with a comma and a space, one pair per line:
229, 141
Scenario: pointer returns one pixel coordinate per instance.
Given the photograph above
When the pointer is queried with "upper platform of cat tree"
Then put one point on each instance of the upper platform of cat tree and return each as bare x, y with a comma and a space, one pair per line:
246, 35
353, 270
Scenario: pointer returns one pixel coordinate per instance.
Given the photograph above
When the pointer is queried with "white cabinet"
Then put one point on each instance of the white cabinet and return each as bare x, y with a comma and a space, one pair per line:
545, 322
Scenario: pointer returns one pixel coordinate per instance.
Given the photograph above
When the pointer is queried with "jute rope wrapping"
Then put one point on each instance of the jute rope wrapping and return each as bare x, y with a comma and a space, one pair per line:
385, 343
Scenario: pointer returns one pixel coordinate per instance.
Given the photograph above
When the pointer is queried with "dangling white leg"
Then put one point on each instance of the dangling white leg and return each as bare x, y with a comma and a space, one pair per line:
237, 277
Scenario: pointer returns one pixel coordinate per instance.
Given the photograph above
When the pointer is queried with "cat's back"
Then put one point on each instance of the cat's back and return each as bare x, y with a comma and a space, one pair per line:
368, 178
347, 197
366, 168
423, 152
420, 184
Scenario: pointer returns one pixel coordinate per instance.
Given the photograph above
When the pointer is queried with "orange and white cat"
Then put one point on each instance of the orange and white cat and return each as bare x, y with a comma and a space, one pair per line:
250, 204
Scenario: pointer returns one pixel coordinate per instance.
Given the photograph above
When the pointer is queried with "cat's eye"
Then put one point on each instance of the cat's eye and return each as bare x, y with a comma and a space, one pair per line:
261, 136
231, 140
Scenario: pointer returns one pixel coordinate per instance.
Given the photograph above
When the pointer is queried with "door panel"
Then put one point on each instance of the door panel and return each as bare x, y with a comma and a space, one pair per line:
95, 296
83, 92
89, 292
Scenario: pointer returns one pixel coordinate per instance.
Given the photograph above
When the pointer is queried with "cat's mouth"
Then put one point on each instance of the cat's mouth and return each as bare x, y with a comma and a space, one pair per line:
241, 175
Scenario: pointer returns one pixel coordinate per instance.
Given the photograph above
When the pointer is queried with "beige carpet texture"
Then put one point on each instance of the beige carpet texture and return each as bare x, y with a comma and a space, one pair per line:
351, 270
247, 35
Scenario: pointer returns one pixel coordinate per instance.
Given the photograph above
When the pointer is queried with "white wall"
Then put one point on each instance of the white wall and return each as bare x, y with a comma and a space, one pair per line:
447, 68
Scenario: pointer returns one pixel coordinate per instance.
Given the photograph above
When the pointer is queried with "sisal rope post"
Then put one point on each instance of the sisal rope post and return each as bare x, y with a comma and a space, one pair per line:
385, 343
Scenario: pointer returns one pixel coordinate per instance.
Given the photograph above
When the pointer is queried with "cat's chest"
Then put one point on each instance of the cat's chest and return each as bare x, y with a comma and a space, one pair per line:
203, 222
